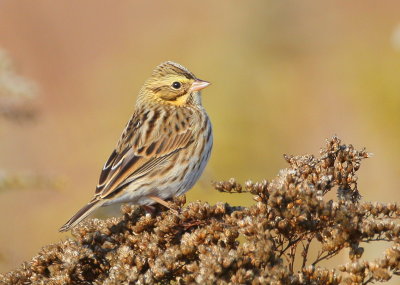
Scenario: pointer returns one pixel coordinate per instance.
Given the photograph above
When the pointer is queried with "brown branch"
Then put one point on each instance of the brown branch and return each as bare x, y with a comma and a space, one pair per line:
326, 256
305, 249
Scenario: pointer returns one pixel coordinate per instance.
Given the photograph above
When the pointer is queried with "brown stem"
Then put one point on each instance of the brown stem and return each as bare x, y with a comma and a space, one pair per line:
366, 282
326, 256
292, 256
305, 250
291, 242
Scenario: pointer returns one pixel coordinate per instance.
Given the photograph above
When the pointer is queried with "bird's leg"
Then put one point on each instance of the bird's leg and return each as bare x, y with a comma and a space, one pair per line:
149, 209
162, 202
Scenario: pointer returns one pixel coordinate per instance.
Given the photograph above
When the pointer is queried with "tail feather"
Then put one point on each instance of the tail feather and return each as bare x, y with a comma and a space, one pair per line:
81, 214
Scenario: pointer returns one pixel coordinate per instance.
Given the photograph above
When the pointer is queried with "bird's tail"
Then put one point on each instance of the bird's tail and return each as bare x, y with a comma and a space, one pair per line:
81, 214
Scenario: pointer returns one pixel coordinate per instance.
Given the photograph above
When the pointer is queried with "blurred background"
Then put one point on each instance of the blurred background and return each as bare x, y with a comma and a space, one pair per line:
286, 75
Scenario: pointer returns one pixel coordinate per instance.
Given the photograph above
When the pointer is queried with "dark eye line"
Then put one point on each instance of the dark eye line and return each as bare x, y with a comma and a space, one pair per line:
170, 95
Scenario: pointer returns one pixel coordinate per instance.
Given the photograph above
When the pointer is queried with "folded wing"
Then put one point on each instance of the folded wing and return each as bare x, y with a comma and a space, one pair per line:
137, 155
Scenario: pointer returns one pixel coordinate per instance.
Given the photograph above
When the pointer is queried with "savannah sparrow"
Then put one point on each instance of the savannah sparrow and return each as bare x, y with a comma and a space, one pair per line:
164, 147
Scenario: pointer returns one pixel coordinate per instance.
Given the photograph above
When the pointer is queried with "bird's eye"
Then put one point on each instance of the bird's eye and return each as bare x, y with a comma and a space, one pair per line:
176, 85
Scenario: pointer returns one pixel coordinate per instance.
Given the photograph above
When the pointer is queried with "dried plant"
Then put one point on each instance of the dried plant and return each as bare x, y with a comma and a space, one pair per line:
16, 105
16, 92
222, 244
26, 181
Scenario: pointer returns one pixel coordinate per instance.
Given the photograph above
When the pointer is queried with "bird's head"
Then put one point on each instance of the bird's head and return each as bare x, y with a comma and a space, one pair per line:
171, 83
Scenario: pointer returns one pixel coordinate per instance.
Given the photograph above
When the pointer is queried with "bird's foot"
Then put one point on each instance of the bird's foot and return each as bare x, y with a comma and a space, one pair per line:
165, 204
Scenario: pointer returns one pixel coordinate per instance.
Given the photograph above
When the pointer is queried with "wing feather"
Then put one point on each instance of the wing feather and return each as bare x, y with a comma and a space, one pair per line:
132, 158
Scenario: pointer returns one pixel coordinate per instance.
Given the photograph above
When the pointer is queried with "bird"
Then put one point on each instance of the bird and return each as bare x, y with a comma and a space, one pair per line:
164, 147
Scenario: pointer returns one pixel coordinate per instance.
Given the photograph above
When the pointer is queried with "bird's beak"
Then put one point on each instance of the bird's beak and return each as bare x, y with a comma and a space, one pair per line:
198, 85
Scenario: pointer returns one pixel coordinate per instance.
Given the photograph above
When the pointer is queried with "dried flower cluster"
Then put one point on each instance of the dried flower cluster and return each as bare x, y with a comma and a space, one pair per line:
221, 244
16, 92
16, 105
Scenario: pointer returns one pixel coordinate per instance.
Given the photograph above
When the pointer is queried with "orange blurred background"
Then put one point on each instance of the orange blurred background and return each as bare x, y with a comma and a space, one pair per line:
286, 75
